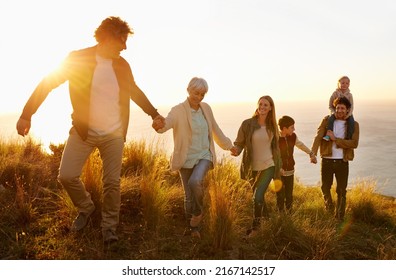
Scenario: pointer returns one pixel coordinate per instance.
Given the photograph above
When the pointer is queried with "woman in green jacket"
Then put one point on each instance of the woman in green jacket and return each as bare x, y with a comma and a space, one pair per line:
258, 138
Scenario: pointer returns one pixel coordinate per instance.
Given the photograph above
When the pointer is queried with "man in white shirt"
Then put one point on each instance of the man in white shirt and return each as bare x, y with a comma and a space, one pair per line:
101, 85
336, 155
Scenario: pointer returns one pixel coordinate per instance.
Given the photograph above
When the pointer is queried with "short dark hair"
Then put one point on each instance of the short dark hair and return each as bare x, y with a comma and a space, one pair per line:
112, 27
285, 121
342, 100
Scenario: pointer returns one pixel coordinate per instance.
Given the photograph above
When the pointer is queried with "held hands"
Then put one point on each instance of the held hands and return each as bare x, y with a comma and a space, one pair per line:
313, 158
23, 127
234, 151
158, 122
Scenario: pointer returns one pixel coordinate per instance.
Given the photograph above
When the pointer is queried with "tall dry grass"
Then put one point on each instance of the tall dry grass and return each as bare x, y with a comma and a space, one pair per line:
36, 213
151, 167
227, 198
92, 176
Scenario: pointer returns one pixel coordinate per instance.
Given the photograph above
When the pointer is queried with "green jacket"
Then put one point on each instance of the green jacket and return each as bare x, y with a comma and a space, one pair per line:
348, 145
244, 142
78, 68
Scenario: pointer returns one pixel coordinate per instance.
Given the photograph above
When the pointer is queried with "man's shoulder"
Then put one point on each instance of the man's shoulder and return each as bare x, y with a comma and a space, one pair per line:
83, 52
122, 61
79, 59
324, 120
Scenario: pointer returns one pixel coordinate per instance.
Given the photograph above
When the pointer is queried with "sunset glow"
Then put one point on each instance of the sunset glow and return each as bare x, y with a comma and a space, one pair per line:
290, 49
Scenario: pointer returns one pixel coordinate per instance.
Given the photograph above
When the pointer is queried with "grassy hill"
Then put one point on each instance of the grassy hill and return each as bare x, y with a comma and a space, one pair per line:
35, 214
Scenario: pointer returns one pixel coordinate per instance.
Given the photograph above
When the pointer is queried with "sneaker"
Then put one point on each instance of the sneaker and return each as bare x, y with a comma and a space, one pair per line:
326, 138
109, 236
195, 220
81, 220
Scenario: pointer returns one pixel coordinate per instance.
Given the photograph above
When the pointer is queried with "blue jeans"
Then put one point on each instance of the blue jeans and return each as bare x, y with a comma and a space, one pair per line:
192, 179
262, 182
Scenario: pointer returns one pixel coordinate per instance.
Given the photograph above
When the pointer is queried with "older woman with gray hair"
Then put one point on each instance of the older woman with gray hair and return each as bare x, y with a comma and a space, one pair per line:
194, 132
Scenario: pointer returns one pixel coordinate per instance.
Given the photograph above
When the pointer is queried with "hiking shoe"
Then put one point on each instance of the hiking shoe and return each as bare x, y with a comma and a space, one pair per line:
81, 220
327, 138
109, 236
195, 220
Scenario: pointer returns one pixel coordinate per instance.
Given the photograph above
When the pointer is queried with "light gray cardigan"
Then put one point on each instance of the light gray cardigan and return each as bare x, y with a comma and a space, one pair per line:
179, 118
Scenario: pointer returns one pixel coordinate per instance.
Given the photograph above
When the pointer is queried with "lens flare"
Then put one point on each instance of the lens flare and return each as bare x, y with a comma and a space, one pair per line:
276, 185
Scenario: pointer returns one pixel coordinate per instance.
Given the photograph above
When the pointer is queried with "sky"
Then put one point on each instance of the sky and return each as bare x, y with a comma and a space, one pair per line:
291, 50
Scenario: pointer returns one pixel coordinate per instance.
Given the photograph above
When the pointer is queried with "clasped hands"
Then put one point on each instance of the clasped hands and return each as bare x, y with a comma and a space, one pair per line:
234, 151
158, 122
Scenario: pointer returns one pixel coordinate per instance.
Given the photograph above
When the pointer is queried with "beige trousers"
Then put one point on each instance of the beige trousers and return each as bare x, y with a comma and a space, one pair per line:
74, 156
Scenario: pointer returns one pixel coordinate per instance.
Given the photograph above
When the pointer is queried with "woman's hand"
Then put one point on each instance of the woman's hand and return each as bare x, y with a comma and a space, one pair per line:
158, 122
234, 151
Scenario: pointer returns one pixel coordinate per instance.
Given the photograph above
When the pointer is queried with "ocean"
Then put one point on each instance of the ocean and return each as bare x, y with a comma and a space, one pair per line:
375, 157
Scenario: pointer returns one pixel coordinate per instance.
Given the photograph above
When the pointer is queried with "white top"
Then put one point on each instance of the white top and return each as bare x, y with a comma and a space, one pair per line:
339, 132
105, 112
262, 153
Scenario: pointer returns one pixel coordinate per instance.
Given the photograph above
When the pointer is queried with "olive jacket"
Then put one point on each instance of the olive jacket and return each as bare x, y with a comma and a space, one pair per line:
244, 142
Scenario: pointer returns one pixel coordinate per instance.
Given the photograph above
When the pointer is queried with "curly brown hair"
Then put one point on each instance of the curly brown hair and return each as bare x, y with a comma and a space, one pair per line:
113, 27
342, 100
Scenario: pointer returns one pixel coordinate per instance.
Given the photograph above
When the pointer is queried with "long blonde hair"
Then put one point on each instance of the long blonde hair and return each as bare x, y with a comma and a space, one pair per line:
271, 126
270, 120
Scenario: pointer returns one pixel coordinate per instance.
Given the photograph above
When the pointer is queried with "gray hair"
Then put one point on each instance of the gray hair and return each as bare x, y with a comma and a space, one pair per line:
198, 84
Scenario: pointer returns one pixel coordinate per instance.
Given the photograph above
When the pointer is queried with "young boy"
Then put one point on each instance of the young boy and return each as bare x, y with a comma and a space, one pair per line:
287, 140
341, 91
